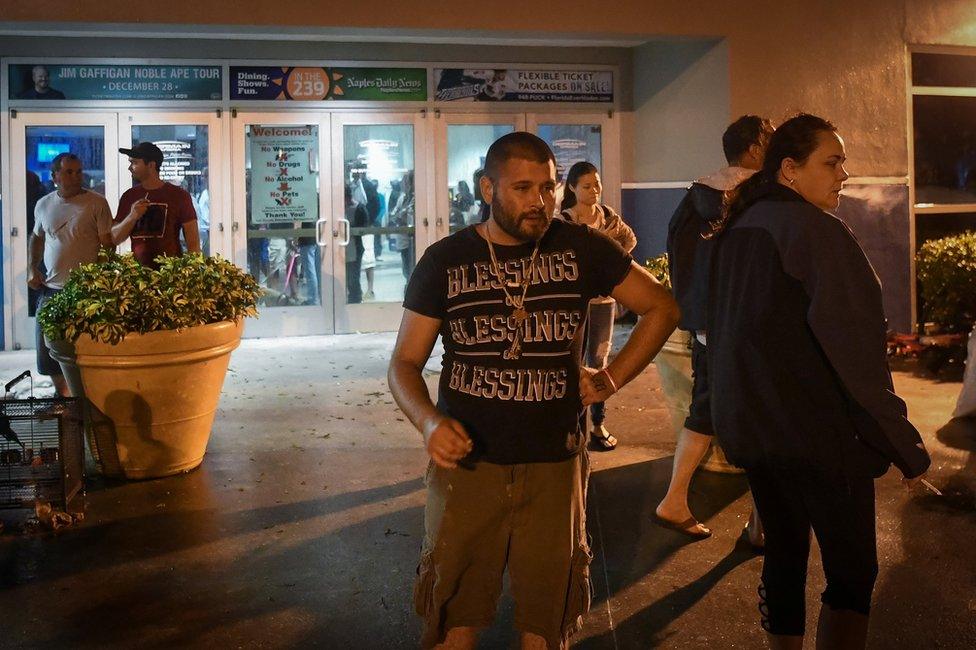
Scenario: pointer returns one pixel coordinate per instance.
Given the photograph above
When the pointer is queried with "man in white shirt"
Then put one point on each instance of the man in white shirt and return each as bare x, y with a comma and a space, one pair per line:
71, 224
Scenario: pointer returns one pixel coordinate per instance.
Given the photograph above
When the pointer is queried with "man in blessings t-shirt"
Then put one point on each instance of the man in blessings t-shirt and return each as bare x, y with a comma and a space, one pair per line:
507, 479
154, 212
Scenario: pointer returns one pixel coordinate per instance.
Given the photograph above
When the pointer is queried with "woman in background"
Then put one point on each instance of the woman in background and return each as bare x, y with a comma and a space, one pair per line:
581, 204
462, 207
357, 216
803, 399
402, 215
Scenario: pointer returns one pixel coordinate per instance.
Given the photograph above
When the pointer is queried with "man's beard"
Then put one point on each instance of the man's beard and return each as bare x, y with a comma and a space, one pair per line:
523, 227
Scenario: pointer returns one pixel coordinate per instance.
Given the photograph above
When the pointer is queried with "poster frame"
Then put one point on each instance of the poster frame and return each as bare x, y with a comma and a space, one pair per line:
225, 103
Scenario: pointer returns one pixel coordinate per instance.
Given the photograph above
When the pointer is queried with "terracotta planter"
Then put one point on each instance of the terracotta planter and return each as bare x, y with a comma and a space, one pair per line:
151, 399
674, 368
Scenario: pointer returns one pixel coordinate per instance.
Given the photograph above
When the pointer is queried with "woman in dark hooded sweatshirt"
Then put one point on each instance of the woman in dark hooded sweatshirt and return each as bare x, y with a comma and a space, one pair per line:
796, 350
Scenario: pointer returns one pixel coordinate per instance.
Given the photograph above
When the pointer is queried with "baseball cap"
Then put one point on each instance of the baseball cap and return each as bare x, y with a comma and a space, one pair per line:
145, 151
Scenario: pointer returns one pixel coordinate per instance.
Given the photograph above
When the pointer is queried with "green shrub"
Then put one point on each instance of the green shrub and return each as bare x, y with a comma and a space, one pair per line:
946, 270
116, 296
658, 266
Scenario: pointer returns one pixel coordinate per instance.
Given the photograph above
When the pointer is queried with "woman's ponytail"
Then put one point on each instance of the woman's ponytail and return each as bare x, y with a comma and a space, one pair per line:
735, 202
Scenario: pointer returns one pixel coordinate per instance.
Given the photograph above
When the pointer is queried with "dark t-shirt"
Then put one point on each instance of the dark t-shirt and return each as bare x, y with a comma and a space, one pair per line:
158, 231
33, 94
523, 410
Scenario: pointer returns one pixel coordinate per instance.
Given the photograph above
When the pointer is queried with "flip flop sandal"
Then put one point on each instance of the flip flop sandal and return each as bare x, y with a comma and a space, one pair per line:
690, 527
603, 443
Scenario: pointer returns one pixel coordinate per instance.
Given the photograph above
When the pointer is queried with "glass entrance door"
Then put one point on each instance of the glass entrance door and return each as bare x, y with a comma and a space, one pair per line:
193, 159
575, 137
380, 216
36, 140
280, 228
462, 142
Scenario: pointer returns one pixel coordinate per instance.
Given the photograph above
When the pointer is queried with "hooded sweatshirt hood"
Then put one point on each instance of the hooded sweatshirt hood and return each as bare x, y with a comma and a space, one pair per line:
726, 178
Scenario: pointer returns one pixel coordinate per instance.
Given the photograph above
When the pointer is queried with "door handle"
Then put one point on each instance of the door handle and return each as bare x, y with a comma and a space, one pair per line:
345, 229
320, 232
220, 227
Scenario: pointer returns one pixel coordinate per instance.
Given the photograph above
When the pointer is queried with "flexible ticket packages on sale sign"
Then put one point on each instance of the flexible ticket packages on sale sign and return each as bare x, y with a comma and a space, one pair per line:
321, 84
282, 180
522, 85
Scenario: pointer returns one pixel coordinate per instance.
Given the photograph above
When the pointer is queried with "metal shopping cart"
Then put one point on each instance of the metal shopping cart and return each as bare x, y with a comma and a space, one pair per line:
42, 452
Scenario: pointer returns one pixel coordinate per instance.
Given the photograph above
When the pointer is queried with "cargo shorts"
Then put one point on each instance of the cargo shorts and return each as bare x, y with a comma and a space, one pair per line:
530, 519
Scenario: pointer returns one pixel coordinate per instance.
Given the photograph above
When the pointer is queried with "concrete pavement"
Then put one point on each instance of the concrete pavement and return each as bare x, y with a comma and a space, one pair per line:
302, 529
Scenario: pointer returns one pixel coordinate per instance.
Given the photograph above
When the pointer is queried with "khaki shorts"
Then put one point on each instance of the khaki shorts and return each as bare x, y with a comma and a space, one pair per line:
529, 518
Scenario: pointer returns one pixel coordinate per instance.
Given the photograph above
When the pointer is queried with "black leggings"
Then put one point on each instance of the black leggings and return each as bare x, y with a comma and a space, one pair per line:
841, 513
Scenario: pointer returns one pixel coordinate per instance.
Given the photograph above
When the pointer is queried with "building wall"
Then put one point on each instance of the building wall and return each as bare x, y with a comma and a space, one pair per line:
700, 65
940, 22
648, 211
880, 218
844, 60
680, 108
673, 134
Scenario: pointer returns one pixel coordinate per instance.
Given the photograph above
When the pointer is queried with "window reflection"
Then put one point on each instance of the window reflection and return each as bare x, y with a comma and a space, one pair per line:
572, 143
467, 145
945, 149
380, 206
937, 226
943, 70
185, 150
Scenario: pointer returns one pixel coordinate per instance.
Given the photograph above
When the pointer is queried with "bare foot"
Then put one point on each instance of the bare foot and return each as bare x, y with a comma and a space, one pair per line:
670, 512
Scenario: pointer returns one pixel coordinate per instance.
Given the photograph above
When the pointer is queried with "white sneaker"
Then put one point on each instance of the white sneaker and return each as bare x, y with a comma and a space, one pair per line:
369, 295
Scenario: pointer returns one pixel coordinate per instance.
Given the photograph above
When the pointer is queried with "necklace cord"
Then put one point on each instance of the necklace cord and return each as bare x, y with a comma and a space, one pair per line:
497, 270
519, 312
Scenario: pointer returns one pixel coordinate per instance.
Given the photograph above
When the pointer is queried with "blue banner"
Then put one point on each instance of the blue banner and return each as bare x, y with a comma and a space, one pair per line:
70, 81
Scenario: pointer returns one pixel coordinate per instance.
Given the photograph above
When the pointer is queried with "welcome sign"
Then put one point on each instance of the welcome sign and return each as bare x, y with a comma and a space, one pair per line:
283, 186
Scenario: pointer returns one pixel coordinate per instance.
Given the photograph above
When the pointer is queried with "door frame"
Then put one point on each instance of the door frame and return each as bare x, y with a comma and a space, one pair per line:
610, 135
442, 123
298, 320
227, 190
20, 333
218, 163
378, 316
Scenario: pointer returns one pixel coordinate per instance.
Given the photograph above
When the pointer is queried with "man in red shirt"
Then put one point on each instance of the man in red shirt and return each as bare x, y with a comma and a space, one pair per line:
154, 212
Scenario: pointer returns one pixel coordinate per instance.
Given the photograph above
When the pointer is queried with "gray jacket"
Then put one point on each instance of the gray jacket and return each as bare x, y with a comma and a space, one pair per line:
613, 227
